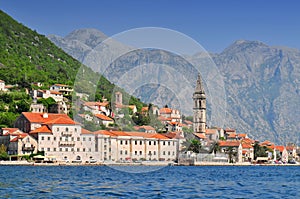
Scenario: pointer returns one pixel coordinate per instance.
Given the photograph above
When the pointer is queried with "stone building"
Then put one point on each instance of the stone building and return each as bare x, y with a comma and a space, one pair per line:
199, 109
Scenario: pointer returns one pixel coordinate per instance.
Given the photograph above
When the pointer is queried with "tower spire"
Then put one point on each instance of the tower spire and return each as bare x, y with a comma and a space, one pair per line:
199, 85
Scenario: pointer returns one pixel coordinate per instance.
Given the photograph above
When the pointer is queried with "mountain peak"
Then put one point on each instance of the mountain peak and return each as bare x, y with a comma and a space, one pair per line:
89, 36
244, 45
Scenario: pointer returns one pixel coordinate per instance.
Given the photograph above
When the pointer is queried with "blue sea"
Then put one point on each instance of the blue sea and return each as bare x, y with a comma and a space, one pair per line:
167, 182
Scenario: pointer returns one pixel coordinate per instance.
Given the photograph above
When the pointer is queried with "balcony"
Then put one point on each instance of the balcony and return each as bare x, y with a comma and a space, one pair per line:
67, 143
67, 133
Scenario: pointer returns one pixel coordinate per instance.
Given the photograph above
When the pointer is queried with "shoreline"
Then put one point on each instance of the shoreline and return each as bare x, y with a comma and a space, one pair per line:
26, 163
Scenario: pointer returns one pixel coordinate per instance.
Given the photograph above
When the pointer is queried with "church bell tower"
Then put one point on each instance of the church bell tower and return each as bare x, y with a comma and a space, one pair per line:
199, 109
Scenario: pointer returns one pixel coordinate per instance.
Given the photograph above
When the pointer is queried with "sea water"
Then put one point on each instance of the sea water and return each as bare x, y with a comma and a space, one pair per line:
167, 182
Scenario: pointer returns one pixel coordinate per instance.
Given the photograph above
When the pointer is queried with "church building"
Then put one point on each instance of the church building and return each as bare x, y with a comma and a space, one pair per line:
199, 108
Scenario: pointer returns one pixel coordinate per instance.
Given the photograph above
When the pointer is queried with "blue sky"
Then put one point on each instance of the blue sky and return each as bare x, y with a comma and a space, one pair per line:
214, 24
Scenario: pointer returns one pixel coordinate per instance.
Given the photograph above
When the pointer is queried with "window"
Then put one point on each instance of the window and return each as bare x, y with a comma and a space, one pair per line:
48, 149
42, 138
54, 138
42, 149
164, 143
169, 153
135, 142
90, 139
154, 142
83, 139
149, 142
164, 153
141, 142
125, 152
54, 149
72, 138
90, 149
105, 147
66, 149
72, 149
173, 143
60, 138
105, 140
49, 138
126, 142
75, 129
67, 129
169, 143
121, 152
78, 149
121, 142
66, 138
135, 152
78, 138
141, 152
154, 152
60, 149
173, 153
83, 149
57, 129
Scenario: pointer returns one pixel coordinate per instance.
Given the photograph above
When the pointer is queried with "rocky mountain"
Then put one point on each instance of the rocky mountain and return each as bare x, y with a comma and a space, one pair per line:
255, 84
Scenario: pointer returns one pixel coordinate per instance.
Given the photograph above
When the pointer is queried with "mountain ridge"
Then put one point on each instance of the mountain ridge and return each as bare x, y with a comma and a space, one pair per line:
262, 88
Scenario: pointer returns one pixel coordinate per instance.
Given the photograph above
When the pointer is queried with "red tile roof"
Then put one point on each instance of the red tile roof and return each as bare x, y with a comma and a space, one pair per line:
145, 109
103, 117
61, 120
200, 135
10, 130
38, 117
96, 103
85, 131
42, 129
234, 143
55, 92
165, 111
173, 135
211, 131
279, 148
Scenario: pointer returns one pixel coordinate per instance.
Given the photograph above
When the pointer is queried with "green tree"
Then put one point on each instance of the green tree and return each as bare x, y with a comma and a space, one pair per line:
231, 152
260, 151
3, 152
193, 145
215, 147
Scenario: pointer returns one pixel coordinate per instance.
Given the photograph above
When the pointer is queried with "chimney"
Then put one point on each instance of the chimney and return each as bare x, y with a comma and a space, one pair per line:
45, 115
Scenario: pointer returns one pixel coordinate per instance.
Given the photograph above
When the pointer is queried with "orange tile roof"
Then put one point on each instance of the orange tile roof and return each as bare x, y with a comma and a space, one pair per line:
234, 143
1, 80
247, 145
62, 85
38, 117
173, 135
242, 135
211, 131
290, 148
55, 92
279, 148
103, 117
145, 109
132, 107
42, 129
229, 130
232, 135
161, 118
85, 131
105, 132
10, 130
61, 120
188, 122
15, 139
96, 103
165, 111
200, 135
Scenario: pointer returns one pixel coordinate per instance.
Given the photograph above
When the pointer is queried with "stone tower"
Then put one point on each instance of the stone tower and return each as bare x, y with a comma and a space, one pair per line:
199, 109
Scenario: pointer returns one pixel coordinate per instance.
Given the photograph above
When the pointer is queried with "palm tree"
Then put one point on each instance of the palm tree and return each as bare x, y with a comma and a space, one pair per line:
193, 145
231, 153
215, 147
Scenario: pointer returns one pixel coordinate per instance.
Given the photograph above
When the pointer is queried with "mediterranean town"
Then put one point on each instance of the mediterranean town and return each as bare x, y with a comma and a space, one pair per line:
48, 135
